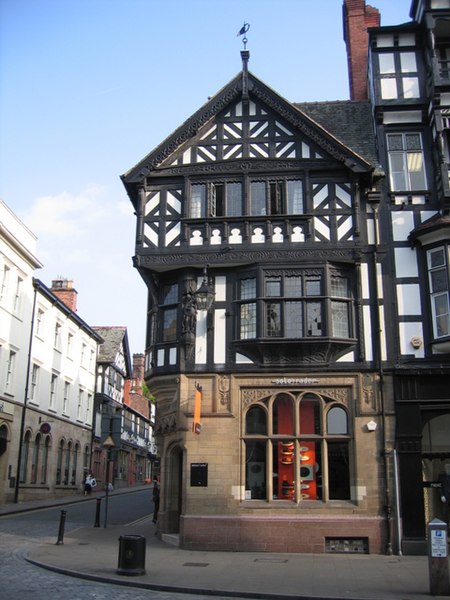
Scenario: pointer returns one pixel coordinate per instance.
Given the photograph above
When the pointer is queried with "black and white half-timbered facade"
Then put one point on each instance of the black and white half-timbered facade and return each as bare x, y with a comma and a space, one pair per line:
277, 399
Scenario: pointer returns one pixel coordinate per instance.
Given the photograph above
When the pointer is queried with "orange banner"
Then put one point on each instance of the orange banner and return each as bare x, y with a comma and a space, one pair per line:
196, 426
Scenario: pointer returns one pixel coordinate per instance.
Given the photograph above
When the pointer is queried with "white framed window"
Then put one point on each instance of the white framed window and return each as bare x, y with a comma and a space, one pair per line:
57, 337
34, 397
53, 391
438, 277
5, 280
18, 295
40, 322
398, 75
66, 398
10, 371
406, 162
80, 404
70, 344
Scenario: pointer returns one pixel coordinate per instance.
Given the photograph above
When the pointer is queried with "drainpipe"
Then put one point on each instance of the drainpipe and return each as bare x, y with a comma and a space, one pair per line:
25, 400
374, 200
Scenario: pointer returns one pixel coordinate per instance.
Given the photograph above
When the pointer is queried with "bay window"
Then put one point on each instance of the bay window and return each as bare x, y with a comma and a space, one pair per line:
298, 303
439, 277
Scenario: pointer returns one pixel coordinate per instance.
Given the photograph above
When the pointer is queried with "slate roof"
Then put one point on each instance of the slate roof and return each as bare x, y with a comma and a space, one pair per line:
113, 337
350, 122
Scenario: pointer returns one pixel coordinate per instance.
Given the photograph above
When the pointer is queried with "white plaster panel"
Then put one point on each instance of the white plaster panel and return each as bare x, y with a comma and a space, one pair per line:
383, 328
160, 358
200, 339
365, 281
367, 323
408, 299
172, 356
220, 288
402, 225
219, 336
407, 331
349, 357
406, 262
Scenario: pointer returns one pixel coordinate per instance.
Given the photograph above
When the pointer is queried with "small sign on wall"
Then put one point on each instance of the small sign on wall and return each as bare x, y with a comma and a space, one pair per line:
199, 474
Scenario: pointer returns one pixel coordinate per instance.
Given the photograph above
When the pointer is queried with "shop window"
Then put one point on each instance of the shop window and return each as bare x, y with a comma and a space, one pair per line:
286, 463
406, 162
256, 421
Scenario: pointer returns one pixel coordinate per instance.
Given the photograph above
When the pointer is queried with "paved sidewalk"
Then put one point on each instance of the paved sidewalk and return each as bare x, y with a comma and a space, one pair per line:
93, 553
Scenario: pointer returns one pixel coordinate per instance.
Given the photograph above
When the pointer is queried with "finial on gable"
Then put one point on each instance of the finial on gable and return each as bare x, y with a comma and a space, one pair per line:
242, 31
245, 55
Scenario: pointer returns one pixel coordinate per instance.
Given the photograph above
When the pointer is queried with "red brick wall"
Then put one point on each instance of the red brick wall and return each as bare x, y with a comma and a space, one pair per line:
357, 19
300, 534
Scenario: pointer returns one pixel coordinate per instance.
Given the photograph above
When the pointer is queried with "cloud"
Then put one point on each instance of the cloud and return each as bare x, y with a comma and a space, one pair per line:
89, 237
68, 215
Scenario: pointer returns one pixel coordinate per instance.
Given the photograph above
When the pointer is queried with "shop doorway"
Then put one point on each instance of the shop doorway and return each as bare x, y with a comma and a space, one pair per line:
173, 489
436, 467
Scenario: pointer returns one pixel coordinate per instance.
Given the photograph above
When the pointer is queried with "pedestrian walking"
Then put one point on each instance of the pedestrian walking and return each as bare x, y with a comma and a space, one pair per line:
89, 483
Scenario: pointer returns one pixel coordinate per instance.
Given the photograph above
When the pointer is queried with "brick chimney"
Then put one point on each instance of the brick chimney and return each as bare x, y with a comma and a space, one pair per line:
64, 290
357, 18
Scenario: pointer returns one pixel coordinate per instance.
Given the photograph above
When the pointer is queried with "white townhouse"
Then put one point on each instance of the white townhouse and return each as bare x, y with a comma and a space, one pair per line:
47, 376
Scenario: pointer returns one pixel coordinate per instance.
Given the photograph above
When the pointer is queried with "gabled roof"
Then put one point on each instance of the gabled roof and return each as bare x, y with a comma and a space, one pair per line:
113, 338
298, 118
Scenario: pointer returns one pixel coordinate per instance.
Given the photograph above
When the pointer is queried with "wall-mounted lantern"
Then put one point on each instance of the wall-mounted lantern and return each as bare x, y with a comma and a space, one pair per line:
204, 295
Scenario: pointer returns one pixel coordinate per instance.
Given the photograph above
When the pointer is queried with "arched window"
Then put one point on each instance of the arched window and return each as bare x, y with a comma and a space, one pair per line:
337, 420
67, 463
304, 453
283, 421
44, 461
59, 462
3, 439
24, 457
76, 451
35, 458
86, 457
255, 421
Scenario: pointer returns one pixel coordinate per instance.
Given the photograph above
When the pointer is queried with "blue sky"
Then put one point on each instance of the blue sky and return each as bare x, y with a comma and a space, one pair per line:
89, 87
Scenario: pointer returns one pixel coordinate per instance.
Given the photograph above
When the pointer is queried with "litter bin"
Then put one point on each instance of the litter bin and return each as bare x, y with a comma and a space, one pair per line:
131, 555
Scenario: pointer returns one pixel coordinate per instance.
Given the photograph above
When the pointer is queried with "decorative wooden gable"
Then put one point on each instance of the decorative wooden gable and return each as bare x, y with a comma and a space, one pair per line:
247, 130
238, 125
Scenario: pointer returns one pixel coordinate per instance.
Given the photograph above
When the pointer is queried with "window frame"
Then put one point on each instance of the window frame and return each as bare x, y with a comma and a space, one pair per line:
433, 295
313, 306
298, 440
407, 156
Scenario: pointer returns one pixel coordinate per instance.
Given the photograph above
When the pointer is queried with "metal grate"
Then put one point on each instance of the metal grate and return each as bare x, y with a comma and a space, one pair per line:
347, 545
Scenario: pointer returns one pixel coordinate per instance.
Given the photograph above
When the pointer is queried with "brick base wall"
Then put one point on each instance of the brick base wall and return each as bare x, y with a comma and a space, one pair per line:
303, 534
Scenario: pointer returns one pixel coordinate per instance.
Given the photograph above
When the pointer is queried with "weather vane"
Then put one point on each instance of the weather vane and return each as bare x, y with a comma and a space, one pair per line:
242, 31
